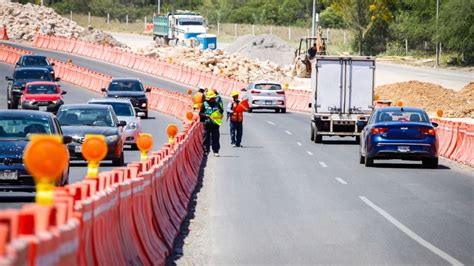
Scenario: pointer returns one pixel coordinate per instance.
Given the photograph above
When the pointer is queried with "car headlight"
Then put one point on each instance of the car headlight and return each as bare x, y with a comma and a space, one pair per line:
111, 139
143, 104
52, 72
131, 126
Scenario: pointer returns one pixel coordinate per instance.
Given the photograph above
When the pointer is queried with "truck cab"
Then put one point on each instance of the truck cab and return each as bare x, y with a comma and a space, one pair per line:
342, 96
178, 27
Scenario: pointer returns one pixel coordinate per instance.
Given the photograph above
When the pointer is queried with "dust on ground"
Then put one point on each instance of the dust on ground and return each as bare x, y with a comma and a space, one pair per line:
431, 97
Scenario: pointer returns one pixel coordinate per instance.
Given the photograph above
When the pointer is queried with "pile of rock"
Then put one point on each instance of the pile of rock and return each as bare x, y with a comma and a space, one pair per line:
219, 62
23, 21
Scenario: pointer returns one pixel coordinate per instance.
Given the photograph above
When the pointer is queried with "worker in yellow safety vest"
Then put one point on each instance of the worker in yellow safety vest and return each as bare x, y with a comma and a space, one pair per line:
236, 118
211, 115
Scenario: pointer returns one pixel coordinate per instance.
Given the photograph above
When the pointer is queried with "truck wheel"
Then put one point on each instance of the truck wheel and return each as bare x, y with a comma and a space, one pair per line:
119, 161
312, 132
154, 37
431, 163
317, 138
357, 139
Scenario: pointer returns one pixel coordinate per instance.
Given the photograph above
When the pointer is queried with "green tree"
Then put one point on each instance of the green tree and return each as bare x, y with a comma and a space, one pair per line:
329, 18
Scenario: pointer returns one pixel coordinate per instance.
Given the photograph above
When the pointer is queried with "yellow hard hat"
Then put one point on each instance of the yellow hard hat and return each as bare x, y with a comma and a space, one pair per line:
234, 93
211, 94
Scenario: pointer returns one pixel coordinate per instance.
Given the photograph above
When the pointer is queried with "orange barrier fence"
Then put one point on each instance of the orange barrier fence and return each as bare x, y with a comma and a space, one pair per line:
127, 216
9, 54
148, 28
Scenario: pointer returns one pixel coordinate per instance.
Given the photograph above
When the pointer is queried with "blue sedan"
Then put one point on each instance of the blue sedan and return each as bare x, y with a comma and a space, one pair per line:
15, 128
404, 133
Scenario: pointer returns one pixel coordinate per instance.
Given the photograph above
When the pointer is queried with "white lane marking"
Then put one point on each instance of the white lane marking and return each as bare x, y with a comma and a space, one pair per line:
410, 233
309, 153
299, 143
323, 164
288, 132
250, 114
341, 181
271, 123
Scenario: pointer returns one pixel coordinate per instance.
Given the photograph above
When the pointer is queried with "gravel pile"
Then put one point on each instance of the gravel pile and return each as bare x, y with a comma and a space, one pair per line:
263, 47
23, 21
431, 97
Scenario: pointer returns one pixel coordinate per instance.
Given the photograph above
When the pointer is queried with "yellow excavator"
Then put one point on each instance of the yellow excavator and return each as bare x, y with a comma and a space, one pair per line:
305, 54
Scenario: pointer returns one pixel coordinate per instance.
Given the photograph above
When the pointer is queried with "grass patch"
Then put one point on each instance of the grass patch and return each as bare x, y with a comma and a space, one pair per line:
114, 25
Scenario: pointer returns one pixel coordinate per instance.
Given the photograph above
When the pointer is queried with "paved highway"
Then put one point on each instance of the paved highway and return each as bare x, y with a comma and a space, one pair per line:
284, 200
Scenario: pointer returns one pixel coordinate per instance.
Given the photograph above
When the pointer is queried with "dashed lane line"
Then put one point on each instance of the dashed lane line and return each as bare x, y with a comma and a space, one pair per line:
410, 233
299, 144
340, 180
271, 123
288, 132
309, 153
323, 164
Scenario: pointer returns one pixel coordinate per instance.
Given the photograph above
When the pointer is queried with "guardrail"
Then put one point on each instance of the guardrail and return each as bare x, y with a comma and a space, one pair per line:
129, 215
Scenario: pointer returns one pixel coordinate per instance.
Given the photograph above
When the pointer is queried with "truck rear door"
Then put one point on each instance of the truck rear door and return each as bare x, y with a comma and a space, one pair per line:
328, 74
360, 84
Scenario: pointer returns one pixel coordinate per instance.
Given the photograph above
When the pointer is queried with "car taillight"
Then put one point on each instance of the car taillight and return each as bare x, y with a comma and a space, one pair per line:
255, 92
281, 92
428, 131
379, 130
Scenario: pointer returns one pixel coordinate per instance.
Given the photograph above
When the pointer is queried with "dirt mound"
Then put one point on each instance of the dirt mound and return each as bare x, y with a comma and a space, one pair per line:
23, 21
263, 47
431, 97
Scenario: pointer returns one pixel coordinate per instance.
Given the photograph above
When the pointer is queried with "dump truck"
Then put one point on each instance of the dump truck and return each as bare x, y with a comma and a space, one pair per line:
174, 28
342, 96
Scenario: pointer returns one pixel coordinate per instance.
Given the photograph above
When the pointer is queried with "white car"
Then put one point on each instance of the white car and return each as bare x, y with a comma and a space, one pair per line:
266, 95
124, 110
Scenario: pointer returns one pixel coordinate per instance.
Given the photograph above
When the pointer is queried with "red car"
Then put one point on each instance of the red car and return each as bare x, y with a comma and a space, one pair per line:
42, 96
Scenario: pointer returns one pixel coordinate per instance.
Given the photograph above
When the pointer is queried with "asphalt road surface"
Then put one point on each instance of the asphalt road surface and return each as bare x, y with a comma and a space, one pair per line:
285, 200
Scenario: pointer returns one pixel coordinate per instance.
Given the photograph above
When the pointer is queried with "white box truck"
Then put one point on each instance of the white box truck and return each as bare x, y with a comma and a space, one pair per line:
342, 96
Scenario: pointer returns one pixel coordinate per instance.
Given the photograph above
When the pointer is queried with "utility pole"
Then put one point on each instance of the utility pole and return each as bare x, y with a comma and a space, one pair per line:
313, 22
158, 3
437, 33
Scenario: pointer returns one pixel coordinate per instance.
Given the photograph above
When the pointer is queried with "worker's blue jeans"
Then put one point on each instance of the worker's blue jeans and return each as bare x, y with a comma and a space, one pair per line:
236, 130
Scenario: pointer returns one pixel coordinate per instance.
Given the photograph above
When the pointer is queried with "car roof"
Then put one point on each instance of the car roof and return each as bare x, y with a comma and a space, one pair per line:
408, 109
42, 83
33, 55
86, 106
32, 68
22, 113
125, 79
110, 100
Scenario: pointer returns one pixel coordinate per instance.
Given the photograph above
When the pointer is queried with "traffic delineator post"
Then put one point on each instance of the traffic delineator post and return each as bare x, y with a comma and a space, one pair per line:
440, 113
172, 131
5, 33
94, 150
144, 144
399, 103
190, 117
45, 158
190, 92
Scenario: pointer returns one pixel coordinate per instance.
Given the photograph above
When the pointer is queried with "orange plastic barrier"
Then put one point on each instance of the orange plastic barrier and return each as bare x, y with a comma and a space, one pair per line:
148, 28
127, 216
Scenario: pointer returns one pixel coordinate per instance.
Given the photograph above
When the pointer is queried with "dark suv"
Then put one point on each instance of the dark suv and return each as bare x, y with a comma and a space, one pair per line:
31, 60
21, 76
132, 89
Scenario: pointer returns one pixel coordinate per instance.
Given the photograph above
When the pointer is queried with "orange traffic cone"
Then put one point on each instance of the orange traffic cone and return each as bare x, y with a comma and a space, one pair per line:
5, 35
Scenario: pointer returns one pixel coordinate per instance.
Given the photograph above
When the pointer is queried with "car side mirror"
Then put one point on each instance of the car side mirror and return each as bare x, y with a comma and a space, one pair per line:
244, 89
103, 90
67, 139
57, 79
63, 92
435, 124
122, 123
18, 63
7, 78
147, 90
52, 64
310, 105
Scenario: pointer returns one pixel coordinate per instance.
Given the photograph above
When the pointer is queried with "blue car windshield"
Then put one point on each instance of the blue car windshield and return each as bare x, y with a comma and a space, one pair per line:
85, 117
42, 89
34, 61
402, 116
18, 128
33, 74
125, 86
120, 109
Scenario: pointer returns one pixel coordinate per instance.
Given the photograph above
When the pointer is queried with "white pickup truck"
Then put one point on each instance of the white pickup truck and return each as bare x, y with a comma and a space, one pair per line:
342, 96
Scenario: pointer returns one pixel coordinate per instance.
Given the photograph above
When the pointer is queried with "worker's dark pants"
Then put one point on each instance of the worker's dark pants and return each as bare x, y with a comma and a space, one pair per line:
236, 130
211, 136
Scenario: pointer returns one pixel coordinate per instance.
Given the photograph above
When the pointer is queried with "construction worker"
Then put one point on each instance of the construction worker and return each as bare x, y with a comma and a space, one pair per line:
211, 114
199, 98
236, 120
312, 51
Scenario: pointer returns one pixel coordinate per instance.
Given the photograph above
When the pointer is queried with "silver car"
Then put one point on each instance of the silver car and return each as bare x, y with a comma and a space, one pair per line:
266, 95
124, 110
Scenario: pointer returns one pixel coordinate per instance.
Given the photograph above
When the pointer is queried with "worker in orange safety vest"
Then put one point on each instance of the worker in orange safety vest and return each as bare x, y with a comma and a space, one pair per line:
236, 120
